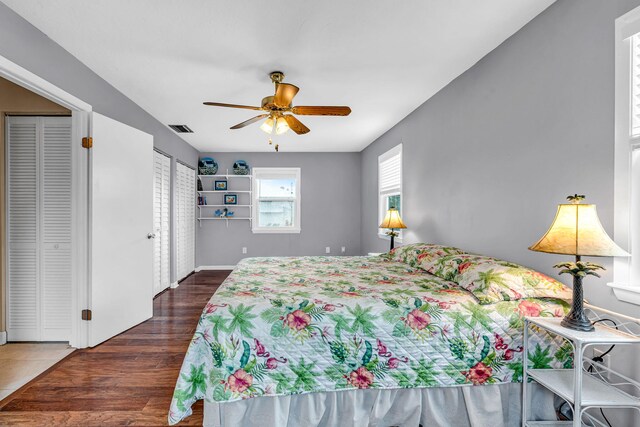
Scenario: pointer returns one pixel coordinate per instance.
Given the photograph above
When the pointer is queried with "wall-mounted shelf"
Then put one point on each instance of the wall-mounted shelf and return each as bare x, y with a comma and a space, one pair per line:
224, 206
225, 191
232, 218
244, 194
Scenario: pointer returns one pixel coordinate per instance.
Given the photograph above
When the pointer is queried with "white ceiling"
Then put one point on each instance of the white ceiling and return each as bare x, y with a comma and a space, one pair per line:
381, 58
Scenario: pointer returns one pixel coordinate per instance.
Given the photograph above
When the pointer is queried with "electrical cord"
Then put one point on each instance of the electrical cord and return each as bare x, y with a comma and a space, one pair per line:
600, 359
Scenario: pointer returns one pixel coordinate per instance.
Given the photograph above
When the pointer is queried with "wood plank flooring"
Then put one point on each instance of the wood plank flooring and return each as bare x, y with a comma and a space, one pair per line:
127, 380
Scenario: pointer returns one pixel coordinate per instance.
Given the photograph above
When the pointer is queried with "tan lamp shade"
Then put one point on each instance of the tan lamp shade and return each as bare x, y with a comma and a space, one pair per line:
392, 219
576, 230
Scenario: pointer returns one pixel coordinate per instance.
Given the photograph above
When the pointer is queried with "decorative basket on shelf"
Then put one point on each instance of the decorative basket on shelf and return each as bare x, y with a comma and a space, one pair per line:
241, 167
207, 166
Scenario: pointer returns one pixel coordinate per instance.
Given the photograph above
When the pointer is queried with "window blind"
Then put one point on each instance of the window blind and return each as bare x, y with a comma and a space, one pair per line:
390, 172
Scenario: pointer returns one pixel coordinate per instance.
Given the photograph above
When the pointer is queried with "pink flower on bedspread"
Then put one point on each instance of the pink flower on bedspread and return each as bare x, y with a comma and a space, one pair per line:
361, 378
245, 294
298, 320
272, 362
417, 319
394, 362
350, 294
239, 381
329, 307
529, 308
462, 267
479, 373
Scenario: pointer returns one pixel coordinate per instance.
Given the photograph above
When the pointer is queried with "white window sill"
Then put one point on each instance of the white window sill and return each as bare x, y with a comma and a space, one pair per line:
276, 230
626, 293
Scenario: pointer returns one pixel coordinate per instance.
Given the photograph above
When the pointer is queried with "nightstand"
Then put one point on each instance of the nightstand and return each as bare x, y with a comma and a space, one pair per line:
581, 389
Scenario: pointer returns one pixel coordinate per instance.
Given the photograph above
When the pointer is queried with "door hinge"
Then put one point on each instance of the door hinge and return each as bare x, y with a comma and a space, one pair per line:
87, 142
86, 314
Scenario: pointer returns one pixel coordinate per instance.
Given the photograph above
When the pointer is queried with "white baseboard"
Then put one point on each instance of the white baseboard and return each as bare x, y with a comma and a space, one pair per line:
3, 337
174, 285
215, 267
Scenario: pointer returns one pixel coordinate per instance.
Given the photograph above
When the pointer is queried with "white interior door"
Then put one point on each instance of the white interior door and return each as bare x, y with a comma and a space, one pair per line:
185, 195
161, 209
121, 293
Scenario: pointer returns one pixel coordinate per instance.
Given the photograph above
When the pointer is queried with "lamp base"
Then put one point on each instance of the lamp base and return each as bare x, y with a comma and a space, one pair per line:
579, 324
576, 319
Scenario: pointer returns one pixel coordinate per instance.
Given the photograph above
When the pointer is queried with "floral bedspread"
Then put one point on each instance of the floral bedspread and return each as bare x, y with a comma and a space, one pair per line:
281, 326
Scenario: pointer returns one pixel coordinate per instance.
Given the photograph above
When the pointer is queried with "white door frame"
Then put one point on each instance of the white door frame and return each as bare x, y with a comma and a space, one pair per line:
80, 114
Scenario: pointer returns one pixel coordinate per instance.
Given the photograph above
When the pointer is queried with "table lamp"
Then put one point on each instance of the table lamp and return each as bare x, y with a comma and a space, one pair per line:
392, 221
576, 230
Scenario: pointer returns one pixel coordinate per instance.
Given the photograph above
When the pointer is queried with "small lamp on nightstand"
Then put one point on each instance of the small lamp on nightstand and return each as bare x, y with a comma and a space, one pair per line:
392, 221
576, 230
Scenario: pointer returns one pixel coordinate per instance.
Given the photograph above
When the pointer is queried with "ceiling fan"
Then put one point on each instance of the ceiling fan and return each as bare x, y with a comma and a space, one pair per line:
277, 106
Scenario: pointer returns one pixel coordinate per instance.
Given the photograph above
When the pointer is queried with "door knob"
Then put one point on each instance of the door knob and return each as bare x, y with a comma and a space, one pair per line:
151, 236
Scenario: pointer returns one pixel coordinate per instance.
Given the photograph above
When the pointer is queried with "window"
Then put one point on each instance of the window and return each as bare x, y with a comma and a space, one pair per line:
276, 197
389, 185
626, 284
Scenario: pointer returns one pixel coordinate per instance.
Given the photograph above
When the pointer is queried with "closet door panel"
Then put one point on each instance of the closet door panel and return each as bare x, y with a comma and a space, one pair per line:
161, 200
180, 221
191, 221
165, 229
157, 220
23, 296
56, 229
56, 292
185, 220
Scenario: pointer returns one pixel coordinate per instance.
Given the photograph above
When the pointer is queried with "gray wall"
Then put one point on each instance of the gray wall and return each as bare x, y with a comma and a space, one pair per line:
330, 211
28, 47
488, 158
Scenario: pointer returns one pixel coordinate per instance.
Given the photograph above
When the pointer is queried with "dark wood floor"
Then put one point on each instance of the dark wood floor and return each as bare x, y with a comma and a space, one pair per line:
127, 380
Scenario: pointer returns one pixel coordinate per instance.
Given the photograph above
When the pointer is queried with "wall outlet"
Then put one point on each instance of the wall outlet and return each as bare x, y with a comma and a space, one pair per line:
327, 250
244, 250
343, 249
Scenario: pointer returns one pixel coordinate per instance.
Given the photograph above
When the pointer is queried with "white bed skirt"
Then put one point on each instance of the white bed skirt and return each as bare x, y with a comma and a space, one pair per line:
479, 406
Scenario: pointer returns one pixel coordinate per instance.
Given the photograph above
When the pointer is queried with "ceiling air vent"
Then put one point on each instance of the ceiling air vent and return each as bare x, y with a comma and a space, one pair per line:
181, 128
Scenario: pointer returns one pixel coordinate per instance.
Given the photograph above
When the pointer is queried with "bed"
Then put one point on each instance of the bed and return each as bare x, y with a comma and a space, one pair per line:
325, 336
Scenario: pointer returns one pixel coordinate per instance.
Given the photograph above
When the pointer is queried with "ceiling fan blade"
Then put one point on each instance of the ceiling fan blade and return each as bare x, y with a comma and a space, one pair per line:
296, 125
248, 122
220, 104
284, 94
321, 111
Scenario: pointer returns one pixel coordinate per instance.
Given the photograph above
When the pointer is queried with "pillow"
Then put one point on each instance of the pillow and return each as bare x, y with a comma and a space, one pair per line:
417, 253
492, 280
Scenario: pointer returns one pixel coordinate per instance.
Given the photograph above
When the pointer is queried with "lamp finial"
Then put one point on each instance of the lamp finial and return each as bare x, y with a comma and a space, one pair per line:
576, 199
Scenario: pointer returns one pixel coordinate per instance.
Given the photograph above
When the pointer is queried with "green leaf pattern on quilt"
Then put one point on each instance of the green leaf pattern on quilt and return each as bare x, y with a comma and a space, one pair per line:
283, 326
492, 280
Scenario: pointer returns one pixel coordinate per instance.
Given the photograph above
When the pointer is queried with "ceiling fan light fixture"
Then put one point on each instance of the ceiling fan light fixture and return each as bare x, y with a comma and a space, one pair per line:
281, 126
267, 126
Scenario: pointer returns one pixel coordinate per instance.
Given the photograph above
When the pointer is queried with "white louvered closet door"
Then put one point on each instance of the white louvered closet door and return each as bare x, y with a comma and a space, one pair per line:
56, 229
40, 207
185, 220
23, 317
161, 218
